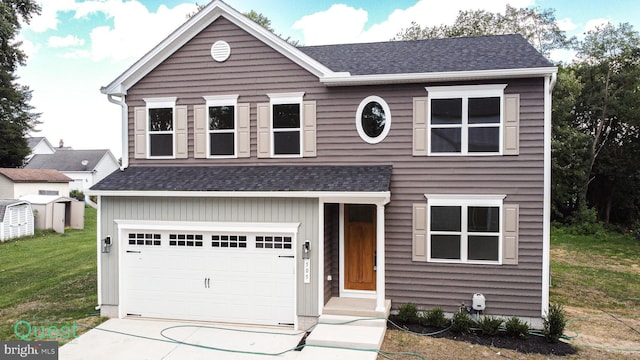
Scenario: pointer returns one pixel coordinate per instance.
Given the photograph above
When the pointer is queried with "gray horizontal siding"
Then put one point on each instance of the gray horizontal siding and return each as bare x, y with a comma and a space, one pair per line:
303, 211
253, 70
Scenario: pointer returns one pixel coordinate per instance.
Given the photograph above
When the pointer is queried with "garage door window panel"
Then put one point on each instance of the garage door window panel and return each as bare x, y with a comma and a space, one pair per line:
185, 240
146, 239
229, 241
273, 242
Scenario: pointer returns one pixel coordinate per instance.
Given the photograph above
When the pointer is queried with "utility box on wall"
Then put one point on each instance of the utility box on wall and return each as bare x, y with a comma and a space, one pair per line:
478, 302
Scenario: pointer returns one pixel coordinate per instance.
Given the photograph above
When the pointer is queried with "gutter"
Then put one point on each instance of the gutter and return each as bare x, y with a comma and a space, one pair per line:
125, 129
353, 80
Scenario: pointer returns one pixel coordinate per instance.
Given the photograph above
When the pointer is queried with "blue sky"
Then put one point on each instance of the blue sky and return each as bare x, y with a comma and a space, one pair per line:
75, 47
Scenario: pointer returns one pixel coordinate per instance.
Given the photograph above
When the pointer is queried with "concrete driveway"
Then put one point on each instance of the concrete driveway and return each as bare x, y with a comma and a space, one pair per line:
138, 339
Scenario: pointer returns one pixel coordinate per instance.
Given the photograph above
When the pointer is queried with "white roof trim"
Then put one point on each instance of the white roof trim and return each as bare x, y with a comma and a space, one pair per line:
382, 197
252, 227
352, 80
194, 26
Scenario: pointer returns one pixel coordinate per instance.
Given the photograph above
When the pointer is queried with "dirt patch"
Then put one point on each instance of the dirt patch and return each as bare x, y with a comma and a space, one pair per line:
599, 329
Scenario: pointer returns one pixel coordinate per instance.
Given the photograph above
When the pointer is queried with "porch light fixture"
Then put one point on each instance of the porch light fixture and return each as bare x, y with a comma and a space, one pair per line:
106, 245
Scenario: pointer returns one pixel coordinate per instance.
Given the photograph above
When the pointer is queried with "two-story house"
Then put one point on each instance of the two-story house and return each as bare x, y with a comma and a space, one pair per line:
270, 184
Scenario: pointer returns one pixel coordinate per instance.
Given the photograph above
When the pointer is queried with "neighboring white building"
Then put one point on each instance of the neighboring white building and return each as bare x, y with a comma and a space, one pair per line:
39, 145
84, 167
15, 183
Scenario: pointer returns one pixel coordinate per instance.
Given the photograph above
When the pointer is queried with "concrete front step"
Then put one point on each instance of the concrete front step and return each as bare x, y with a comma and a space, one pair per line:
355, 307
352, 320
347, 336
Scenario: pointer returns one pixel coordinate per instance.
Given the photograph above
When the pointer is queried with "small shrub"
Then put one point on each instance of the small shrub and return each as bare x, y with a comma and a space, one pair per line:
77, 194
435, 317
554, 323
461, 322
517, 328
408, 313
586, 222
490, 325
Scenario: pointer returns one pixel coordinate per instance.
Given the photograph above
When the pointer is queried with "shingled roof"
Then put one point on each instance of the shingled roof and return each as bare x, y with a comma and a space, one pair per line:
5, 203
67, 160
499, 52
34, 175
249, 178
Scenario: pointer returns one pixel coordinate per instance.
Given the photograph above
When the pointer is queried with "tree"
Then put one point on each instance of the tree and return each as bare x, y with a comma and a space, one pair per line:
570, 148
608, 112
16, 116
536, 25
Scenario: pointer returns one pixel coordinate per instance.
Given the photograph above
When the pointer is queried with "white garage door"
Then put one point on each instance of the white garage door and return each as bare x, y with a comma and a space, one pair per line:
242, 278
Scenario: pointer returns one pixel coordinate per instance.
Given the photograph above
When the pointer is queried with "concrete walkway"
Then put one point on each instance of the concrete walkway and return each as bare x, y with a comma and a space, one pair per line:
142, 339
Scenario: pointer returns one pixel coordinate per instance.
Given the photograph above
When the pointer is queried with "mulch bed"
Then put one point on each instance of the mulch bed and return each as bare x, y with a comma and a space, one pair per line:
531, 345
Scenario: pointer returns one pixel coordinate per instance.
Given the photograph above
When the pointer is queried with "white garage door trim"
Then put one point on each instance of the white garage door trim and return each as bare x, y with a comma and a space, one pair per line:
127, 226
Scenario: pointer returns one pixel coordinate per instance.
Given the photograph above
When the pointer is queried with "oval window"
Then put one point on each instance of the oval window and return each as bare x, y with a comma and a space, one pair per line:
373, 119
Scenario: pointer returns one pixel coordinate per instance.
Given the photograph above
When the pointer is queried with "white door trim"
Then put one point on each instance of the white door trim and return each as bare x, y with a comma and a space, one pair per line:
366, 294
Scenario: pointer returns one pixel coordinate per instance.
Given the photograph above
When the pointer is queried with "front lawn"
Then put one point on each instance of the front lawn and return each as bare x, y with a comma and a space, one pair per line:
49, 280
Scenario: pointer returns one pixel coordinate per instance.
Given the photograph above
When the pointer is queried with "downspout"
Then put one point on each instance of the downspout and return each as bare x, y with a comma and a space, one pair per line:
125, 129
549, 84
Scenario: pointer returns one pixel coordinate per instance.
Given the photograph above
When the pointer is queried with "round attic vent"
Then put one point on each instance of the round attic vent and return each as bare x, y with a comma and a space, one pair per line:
220, 51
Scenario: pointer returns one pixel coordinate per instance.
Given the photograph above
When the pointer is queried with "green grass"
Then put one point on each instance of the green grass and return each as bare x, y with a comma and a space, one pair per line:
49, 279
598, 272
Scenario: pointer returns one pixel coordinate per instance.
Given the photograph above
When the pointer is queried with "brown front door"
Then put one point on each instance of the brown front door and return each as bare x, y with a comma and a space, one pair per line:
359, 247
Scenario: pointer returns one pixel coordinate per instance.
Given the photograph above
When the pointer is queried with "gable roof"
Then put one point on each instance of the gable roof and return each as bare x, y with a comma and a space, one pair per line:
34, 175
369, 63
5, 203
194, 26
34, 141
68, 160
249, 178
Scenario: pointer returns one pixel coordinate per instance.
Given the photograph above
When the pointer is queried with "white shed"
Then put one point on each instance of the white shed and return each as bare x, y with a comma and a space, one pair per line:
56, 212
16, 219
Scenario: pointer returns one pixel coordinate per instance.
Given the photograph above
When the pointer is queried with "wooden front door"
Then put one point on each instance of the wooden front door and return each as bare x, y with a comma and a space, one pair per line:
359, 247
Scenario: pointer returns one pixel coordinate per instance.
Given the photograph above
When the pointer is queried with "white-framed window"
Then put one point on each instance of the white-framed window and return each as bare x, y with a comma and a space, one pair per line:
373, 119
222, 126
465, 228
161, 127
286, 124
465, 120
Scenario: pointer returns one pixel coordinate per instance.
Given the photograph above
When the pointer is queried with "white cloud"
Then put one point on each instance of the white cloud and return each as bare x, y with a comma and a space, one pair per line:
566, 24
135, 30
67, 41
340, 23
77, 54
351, 23
48, 18
28, 47
595, 23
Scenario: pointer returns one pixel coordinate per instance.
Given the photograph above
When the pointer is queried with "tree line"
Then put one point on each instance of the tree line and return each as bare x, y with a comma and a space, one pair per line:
595, 113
